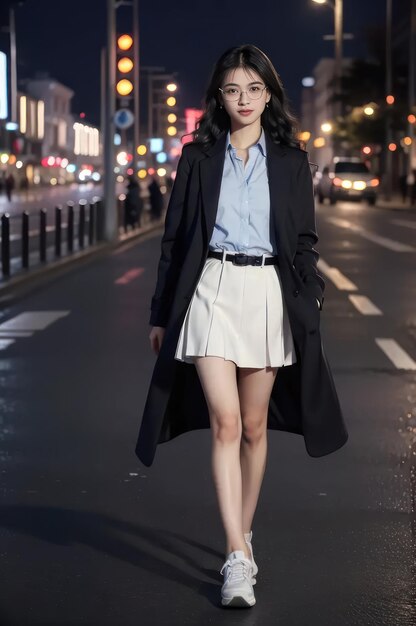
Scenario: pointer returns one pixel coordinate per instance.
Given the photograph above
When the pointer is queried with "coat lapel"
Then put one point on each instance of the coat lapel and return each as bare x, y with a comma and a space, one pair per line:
211, 170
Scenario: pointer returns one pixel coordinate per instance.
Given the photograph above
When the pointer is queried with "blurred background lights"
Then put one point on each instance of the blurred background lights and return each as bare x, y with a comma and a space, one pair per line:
308, 81
161, 157
326, 127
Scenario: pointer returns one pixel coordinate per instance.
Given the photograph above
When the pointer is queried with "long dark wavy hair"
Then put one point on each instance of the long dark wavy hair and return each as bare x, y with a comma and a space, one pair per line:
277, 119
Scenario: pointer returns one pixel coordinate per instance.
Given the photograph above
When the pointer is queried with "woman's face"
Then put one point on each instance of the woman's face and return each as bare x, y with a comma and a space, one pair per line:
249, 85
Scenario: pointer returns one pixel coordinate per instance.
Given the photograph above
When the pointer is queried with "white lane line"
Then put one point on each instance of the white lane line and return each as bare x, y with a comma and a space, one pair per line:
14, 333
406, 223
5, 343
366, 234
396, 354
33, 320
340, 280
364, 305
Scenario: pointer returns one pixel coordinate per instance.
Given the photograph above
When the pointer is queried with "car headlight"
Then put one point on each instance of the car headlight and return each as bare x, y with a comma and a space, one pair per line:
359, 184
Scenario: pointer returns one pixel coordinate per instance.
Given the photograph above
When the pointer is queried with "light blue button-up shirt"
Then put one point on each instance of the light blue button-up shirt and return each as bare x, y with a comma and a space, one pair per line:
243, 215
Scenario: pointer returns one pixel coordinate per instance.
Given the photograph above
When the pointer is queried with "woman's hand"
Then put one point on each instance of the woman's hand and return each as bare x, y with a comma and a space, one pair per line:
156, 338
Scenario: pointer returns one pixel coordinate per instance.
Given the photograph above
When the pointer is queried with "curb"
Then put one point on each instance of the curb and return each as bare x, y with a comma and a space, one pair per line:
28, 280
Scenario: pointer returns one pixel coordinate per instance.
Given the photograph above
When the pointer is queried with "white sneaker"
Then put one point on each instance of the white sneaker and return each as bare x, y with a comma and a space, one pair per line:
248, 537
237, 590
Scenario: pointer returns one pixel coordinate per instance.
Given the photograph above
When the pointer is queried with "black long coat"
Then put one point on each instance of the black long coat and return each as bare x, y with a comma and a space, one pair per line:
304, 398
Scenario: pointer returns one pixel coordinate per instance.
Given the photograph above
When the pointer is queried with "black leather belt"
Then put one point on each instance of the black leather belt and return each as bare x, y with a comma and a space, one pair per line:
244, 259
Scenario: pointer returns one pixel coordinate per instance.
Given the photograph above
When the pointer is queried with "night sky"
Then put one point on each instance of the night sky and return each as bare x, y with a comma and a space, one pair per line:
65, 39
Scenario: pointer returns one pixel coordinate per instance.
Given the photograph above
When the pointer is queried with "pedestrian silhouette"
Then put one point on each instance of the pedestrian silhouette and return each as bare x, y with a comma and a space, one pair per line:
9, 185
156, 200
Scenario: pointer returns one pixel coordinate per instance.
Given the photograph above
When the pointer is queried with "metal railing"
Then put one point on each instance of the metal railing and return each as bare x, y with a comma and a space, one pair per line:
85, 219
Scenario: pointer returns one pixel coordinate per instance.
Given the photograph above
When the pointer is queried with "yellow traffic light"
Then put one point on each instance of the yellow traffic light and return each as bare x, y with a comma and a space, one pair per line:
125, 65
124, 87
125, 42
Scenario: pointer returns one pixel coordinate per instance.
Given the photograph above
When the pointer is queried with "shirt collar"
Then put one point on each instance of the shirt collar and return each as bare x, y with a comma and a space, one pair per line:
261, 143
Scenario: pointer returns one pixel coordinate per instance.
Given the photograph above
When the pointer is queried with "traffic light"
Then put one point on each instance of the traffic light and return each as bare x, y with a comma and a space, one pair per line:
125, 65
172, 109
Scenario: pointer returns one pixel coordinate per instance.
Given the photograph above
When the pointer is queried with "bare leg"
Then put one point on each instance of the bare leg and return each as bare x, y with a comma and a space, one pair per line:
219, 382
254, 388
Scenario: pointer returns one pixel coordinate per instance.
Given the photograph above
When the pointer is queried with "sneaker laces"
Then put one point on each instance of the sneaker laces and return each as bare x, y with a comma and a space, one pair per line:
239, 569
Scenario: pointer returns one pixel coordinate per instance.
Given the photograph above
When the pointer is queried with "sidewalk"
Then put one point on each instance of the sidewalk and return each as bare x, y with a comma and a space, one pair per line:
23, 280
395, 203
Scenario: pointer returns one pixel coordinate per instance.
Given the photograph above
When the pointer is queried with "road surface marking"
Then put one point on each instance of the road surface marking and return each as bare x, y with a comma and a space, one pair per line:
382, 241
129, 276
396, 354
33, 320
406, 223
333, 273
14, 333
5, 343
364, 305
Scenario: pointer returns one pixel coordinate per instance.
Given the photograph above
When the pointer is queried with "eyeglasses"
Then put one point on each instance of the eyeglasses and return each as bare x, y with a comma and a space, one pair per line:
233, 93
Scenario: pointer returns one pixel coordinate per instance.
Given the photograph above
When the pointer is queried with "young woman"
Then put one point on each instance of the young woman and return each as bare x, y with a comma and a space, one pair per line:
238, 297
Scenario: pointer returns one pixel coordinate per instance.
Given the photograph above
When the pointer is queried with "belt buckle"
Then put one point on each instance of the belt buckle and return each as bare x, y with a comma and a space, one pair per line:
240, 259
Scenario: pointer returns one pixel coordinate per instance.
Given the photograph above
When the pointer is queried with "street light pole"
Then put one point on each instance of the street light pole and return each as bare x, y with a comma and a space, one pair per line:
110, 214
338, 11
388, 135
13, 66
136, 91
337, 7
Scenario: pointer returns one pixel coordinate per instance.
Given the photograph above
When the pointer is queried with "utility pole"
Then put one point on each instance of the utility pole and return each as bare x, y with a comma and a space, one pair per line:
13, 66
388, 174
110, 212
338, 10
411, 162
136, 74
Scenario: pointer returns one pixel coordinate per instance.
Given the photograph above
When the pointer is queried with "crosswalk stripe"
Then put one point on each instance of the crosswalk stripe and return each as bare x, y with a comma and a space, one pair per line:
396, 354
5, 343
32, 320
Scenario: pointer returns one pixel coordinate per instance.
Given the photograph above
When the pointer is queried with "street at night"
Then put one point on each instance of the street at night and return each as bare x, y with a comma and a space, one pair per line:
91, 536
208, 313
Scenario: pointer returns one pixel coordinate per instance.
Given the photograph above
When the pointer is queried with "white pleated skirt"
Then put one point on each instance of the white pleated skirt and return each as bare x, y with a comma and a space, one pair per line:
238, 312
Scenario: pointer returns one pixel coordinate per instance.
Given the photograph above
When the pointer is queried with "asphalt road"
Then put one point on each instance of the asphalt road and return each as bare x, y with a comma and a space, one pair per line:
90, 536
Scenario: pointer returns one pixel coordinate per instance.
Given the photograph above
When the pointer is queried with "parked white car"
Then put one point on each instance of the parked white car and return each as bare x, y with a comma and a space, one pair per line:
346, 178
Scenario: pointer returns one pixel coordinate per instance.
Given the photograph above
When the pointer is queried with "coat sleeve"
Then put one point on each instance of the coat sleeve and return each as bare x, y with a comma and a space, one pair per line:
169, 263
306, 256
